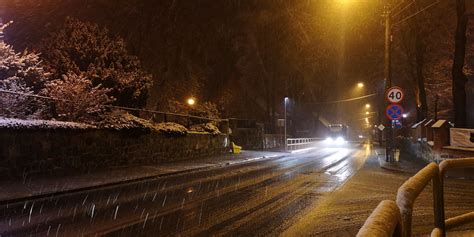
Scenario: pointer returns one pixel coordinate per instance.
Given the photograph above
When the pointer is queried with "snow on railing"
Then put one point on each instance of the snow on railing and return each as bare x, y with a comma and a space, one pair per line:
384, 221
380, 222
455, 221
412, 188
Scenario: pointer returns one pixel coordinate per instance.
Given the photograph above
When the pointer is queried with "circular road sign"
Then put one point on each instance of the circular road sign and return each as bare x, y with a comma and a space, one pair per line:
394, 94
394, 112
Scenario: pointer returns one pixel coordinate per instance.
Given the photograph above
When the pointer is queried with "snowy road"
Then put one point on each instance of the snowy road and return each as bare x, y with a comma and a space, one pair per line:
262, 197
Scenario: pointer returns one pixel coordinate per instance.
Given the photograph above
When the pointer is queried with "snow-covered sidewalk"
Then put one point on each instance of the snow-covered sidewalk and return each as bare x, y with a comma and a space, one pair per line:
343, 212
35, 187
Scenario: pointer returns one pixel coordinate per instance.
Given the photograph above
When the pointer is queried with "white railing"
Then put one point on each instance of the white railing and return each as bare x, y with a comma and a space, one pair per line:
299, 143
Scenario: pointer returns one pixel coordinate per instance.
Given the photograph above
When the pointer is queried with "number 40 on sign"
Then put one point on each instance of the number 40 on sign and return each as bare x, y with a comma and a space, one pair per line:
395, 94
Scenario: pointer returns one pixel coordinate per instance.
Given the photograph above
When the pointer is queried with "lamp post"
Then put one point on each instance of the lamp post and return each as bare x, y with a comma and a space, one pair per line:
286, 141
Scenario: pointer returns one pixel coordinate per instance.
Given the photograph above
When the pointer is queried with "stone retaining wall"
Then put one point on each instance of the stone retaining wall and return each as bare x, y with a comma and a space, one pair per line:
255, 139
44, 150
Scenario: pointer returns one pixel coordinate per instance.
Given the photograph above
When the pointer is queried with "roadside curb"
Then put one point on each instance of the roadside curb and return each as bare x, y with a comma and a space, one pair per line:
13, 201
385, 165
403, 166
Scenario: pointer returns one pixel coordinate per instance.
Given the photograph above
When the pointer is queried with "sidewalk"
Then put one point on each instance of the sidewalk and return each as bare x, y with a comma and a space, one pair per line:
13, 191
344, 211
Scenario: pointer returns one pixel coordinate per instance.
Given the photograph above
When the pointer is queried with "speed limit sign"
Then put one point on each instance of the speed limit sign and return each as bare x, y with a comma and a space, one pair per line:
394, 94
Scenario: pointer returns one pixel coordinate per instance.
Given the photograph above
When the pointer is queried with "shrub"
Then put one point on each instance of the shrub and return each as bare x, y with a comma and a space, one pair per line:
76, 98
20, 73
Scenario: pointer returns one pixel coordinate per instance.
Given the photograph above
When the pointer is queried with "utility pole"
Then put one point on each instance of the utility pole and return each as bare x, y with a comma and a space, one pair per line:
388, 14
388, 80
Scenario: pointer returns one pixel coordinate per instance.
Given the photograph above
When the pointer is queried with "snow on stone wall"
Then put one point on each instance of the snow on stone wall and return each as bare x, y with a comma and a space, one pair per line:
24, 150
12, 123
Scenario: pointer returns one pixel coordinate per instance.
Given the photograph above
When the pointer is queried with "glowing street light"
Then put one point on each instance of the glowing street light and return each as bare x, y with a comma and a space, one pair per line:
191, 101
360, 85
367, 112
405, 115
367, 106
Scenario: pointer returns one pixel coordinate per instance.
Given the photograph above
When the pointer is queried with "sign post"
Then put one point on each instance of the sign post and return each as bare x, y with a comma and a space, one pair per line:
394, 112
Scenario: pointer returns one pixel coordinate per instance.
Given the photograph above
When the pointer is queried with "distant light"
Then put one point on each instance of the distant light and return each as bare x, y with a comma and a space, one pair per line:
337, 141
340, 140
360, 84
191, 101
405, 115
367, 112
360, 136
367, 106
286, 99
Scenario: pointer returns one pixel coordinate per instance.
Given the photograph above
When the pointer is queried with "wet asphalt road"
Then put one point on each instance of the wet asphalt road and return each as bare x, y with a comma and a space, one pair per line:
259, 198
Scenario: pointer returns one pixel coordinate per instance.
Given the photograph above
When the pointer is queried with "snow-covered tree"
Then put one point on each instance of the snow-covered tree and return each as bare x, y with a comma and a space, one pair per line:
20, 74
85, 48
76, 99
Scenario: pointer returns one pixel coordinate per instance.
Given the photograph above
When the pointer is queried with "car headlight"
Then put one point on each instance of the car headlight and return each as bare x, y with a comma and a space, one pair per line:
340, 140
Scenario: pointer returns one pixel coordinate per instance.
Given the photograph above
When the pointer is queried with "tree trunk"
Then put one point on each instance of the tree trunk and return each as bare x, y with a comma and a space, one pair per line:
459, 78
422, 105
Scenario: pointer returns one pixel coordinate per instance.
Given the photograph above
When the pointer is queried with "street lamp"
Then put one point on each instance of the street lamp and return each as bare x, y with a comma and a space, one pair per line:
360, 85
367, 112
286, 141
191, 101
367, 106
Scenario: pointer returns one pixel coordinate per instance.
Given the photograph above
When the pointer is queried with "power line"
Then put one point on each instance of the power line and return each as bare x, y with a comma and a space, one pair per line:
403, 9
345, 100
107, 106
414, 14
399, 4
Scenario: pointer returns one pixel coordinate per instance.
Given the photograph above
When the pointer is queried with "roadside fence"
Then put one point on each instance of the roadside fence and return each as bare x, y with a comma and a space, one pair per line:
151, 115
300, 143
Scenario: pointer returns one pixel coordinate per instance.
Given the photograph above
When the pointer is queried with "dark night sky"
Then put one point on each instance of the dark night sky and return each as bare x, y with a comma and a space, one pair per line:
243, 55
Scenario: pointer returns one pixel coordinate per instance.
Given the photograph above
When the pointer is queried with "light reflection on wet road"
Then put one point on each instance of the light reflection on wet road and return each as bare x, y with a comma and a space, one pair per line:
256, 198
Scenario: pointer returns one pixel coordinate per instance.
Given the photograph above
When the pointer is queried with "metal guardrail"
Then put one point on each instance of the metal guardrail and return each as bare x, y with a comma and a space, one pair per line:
411, 189
455, 221
298, 143
381, 221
